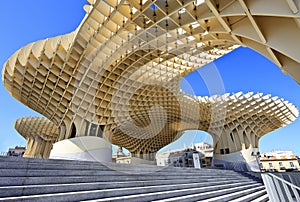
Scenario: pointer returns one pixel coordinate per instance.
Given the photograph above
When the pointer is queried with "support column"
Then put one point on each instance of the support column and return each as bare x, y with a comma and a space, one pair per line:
42, 148
242, 160
38, 148
48, 147
33, 149
62, 132
237, 156
29, 148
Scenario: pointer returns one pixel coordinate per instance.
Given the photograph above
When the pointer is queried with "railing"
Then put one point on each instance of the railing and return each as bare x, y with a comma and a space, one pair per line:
279, 189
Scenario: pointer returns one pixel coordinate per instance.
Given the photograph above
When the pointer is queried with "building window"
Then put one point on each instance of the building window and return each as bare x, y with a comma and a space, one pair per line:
93, 130
231, 137
73, 131
100, 131
292, 164
87, 124
270, 165
280, 164
222, 151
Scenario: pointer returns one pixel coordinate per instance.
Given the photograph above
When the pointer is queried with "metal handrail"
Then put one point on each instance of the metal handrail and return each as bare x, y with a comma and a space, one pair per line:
284, 181
279, 189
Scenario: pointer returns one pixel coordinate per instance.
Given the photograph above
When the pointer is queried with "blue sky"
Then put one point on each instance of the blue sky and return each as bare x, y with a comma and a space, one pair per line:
244, 70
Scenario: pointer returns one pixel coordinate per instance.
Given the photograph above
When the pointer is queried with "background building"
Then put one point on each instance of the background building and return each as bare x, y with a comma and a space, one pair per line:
184, 157
279, 161
17, 151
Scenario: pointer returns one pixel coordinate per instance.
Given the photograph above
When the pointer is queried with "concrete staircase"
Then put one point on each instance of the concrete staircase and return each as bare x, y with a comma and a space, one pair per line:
23, 179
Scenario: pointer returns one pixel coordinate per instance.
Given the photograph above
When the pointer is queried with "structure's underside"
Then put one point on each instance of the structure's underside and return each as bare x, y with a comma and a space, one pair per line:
117, 76
235, 122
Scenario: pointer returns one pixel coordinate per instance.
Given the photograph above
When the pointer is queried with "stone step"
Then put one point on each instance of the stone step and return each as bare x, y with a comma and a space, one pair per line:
37, 166
217, 195
238, 194
38, 160
263, 198
71, 172
166, 168
117, 167
256, 175
130, 167
8, 161
250, 197
63, 180
182, 194
17, 181
10, 191
153, 192
19, 160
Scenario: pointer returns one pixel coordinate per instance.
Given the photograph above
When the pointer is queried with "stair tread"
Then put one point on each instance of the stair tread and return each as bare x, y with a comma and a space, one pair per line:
241, 199
261, 198
63, 180
122, 189
92, 163
201, 194
235, 193
38, 167
99, 178
99, 183
165, 192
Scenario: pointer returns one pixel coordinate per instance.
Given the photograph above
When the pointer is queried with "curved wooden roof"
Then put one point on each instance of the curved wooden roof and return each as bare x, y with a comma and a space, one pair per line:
127, 58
